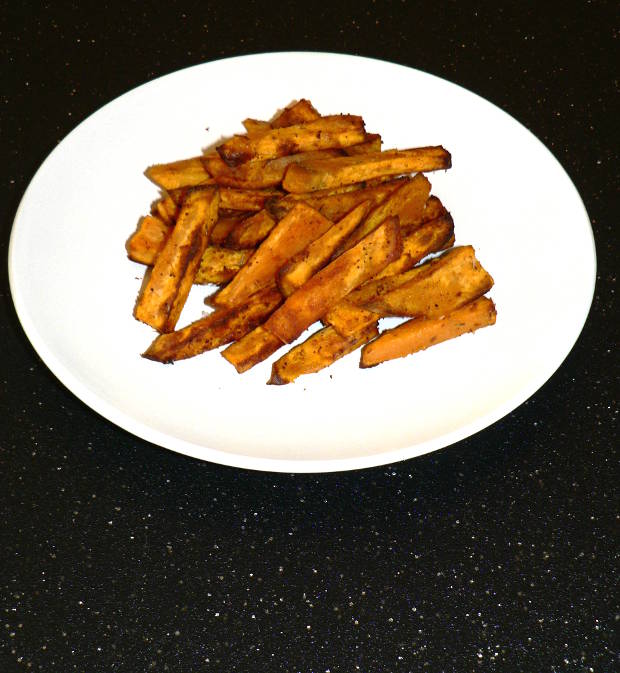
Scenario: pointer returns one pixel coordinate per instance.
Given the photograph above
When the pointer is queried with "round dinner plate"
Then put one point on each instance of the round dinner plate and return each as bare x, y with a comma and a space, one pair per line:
74, 287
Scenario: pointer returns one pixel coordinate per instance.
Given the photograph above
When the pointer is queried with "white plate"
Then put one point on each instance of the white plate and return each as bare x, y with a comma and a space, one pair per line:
74, 288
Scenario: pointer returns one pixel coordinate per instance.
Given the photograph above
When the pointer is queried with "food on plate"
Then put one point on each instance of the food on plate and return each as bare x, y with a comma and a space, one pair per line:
311, 236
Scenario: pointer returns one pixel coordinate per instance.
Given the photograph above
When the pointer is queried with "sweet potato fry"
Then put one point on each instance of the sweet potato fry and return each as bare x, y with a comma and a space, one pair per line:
320, 350
314, 298
252, 231
301, 226
372, 143
183, 173
148, 240
218, 265
296, 113
251, 349
420, 333
162, 299
348, 319
433, 236
245, 199
439, 286
322, 133
254, 127
214, 330
407, 203
305, 263
224, 226
166, 209
336, 203
329, 173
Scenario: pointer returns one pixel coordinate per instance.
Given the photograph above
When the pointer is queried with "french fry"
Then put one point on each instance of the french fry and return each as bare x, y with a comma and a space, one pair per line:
148, 240
224, 226
421, 333
252, 231
439, 286
329, 173
322, 133
336, 203
218, 265
296, 113
301, 226
348, 319
214, 330
333, 282
177, 174
407, 203
372, 143
432, 236
251, 349
245, 199
164, 294
305, 263
166, 209
320, 350
254, 127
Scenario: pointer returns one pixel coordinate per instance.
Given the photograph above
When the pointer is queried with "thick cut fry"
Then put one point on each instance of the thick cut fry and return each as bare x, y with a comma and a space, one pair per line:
183, 173
348, 319
251, 349
214, 330
252, 231
433, 236
320, 350
148, 240
420, 333
372, 143
166, 209
314, 298
218, 265
443, 284
245, 199
336, 203
255, 127
304, 264
322, 133
164, 295
224, 226
407, 203
296, 113
301, 226
329, 173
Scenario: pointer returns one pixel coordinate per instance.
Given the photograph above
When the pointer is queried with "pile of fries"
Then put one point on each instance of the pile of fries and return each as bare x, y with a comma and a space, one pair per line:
303, 219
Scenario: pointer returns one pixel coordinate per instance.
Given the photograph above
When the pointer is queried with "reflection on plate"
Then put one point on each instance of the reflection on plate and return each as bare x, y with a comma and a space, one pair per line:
74, 288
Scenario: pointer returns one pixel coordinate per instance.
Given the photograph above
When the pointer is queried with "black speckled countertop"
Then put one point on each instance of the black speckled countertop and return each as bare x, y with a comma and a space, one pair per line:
494, 554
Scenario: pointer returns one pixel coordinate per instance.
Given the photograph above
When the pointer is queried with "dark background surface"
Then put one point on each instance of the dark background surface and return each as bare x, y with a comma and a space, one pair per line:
497, 553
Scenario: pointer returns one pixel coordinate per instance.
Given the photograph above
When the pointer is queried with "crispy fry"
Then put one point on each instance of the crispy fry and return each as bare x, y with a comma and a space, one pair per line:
372, 143
336, 203
164, 295
245, 199
305, 263
439, 286
254, 127
224, 226
322, 133
348, 319
432, 236
183, 173
252, 231
296, 113
218, 265
313, 299
166, 209
407, 203
214, 330
301, 226
329, 173
148, 240
320, 350
251, 349
420, 333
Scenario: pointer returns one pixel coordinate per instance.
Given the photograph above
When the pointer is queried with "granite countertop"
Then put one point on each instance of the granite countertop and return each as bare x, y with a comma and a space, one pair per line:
494, 554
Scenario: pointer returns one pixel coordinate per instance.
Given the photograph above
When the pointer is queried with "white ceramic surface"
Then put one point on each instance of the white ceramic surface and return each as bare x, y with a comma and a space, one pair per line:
74, 288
